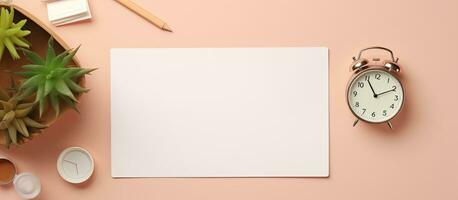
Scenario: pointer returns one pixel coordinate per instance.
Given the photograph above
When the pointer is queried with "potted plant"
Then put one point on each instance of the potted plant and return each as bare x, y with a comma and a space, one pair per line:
40, 77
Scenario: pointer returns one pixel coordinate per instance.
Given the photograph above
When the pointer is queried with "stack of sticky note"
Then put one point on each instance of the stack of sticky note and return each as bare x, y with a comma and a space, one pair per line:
61, 12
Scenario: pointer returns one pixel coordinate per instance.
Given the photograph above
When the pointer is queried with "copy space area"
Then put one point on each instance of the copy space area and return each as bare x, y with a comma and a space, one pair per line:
219, 112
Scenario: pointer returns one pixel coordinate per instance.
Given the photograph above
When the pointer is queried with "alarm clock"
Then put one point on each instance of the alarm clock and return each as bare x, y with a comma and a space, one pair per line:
375, 93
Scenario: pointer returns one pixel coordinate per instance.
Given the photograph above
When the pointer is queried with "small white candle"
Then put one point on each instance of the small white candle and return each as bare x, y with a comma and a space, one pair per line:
27, 185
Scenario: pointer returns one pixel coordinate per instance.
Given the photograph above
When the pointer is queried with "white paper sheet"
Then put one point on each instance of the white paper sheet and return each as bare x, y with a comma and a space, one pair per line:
219, 112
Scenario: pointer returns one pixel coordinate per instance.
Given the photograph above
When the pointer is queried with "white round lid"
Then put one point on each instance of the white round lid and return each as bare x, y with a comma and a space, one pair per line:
27, 185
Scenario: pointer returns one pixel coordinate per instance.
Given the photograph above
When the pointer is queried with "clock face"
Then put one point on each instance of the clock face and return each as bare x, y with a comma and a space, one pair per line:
375, 96
75, 165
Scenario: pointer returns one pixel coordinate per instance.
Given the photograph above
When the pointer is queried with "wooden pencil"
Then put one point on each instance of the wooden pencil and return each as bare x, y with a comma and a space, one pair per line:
145, 14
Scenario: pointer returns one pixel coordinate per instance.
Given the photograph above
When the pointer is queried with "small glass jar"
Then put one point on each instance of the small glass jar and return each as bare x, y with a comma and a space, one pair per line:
27, 185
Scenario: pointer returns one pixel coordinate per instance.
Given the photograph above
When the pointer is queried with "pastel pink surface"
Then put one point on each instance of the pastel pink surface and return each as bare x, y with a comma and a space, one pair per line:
415, 161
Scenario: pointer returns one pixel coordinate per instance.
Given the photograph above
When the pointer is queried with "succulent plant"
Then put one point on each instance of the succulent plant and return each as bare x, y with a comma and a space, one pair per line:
11, 34
16, 122
51, 78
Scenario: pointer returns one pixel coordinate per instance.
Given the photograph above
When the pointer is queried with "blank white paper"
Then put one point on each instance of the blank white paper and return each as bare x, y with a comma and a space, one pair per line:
219, 112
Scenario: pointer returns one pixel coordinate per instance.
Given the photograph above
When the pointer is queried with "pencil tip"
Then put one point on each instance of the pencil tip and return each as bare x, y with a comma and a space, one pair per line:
166, 28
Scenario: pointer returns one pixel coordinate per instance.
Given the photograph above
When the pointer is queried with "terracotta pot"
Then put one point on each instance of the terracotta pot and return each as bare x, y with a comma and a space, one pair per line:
39, 40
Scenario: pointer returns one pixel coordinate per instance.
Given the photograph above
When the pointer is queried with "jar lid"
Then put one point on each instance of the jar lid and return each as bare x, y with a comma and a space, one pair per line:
27, 185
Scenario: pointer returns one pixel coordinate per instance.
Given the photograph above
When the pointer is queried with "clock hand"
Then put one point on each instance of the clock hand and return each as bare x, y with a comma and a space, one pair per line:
375, 95
70, 162
76, 165
392, 90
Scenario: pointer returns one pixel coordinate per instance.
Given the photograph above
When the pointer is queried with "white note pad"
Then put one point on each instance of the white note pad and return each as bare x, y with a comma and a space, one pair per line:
61, 12
219, 112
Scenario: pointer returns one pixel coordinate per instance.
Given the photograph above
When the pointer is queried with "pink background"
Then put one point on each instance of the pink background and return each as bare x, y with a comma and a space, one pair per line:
416, 161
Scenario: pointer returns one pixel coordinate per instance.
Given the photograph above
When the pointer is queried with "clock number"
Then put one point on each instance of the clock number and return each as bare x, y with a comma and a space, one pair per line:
355, 93
392, 106
364, 111
394, 87
388, 81
396, 97
373, 114
361, 84
377, 76
366, 78
357, 104
384, 113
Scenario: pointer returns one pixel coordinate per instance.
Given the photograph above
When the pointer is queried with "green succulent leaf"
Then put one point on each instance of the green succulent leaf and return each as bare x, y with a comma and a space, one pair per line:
34, 57
71, 71
41, 107
20, 24
4, 18
26, 74
49, 86
58, 60
70, 56
50, 53
11, 16
40, 96
33, 81
19, 42
55, 103
33, 67
10, 46
70, 103
33, 70
82, 72
62, 87
75, 87
12, 31
11, 34
23, 33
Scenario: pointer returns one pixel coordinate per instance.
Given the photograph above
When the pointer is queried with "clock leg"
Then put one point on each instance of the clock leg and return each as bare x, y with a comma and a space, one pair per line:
356, 121
390, 125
